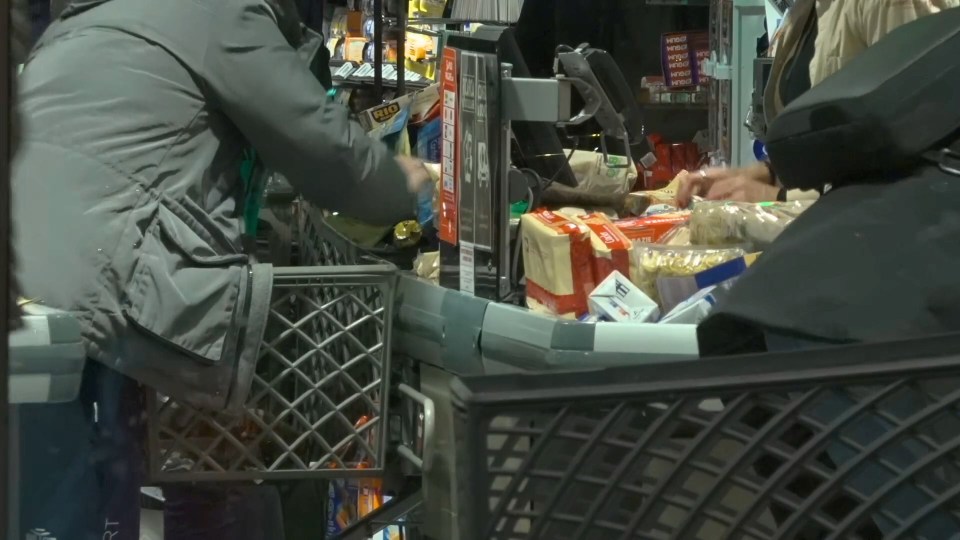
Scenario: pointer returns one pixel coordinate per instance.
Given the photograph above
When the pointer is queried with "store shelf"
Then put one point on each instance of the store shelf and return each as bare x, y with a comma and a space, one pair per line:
676, 106
694, 3
366, 81
457, 22
361, 83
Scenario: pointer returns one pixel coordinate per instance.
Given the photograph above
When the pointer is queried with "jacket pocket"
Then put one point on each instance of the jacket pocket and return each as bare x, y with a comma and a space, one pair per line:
186, 292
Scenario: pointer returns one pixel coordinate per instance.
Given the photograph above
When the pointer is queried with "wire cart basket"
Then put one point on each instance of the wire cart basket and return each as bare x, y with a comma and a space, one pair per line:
321, 399
856, 442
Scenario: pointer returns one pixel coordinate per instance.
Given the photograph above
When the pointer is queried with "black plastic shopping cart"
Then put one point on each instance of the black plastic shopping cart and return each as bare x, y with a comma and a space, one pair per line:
854, 442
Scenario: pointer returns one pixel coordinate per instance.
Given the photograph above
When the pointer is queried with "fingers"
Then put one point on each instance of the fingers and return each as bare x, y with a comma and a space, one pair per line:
415, 171
691, 185
742, 189
715, 174
727, 189
699, 183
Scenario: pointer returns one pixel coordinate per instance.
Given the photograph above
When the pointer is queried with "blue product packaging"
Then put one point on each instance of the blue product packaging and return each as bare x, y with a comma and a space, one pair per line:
425, 213
429, 141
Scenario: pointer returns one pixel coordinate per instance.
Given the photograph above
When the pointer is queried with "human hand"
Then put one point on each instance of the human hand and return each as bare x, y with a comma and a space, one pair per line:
742, 189
747, 184
415, 171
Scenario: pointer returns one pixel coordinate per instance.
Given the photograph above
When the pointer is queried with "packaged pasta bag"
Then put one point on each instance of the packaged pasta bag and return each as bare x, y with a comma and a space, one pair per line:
754, 225
659, 261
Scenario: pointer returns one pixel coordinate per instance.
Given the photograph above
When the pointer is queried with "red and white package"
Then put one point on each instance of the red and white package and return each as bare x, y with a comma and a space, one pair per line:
652, 229
612, 250
557, 261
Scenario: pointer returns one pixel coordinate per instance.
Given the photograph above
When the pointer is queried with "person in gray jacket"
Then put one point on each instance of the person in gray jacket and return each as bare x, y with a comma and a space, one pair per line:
129, 207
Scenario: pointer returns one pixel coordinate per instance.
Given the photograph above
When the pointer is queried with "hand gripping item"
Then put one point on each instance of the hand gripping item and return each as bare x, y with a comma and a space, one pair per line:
878, 117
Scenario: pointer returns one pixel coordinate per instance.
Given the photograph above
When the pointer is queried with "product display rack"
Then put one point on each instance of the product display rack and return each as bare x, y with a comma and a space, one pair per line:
735, 25
382, 24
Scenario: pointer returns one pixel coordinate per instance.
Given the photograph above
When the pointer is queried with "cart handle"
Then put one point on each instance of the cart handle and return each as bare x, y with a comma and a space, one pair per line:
429, 424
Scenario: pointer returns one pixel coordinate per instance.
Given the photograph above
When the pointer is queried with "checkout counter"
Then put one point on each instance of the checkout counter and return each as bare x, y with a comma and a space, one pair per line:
464, 327
450, 334
46, 366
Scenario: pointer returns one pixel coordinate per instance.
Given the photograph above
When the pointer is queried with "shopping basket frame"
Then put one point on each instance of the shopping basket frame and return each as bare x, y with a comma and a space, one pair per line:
225, 425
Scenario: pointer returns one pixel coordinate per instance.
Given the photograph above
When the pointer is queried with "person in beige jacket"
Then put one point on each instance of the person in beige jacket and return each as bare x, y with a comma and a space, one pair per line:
829, 33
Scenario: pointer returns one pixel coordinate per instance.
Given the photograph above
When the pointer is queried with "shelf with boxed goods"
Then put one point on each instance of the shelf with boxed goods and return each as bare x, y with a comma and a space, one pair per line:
502, 11
358, 34
364, 74
691, 3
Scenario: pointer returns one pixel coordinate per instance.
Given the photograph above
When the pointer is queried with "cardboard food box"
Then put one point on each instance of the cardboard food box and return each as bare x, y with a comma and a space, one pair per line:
652, 229
612, 250
419, 103
558, 263
617, 299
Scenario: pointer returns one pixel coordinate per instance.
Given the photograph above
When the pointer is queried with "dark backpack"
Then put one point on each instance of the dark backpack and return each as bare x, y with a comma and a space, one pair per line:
879, 117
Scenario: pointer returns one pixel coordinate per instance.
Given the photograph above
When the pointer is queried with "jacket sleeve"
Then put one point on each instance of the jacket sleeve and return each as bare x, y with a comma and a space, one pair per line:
257, 79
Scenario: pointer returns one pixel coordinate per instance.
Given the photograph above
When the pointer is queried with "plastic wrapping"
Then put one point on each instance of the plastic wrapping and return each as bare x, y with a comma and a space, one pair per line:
594, 174
427, 266
678, 236
658, 261
651, 229
642, 203
754, 225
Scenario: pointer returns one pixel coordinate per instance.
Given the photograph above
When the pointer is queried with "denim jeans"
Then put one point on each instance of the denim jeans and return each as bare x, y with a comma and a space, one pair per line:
870, 476
81, 463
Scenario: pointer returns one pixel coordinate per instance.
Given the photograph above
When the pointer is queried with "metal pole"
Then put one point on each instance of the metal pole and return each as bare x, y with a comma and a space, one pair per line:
6, 112
402, 48
378, 49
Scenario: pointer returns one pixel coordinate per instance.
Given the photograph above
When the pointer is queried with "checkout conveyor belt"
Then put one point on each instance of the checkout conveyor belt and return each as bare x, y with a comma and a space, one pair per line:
46, 357
449, 334
467, 335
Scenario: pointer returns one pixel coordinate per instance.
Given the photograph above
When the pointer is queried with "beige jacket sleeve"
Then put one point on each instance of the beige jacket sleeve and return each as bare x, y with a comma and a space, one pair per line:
848, 27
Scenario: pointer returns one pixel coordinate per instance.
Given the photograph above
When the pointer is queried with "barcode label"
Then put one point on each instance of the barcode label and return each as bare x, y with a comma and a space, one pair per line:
467, 268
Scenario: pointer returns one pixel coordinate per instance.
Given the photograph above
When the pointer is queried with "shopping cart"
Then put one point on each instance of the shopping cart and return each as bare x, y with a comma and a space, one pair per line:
325, 402
854, 442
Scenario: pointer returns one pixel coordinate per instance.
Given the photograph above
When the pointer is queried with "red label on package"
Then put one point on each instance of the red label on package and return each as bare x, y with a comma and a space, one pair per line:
449, 154
606, 231
557, 222
681, 56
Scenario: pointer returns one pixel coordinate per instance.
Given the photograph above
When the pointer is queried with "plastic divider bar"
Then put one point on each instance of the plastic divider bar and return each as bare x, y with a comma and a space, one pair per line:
467, 335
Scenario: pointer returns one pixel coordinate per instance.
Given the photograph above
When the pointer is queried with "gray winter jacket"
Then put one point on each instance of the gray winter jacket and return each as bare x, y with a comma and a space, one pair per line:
127, 194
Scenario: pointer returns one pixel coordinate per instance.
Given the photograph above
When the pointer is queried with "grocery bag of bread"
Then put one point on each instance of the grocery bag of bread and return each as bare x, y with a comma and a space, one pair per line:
642, 203
557, 261
611, 249
595, 175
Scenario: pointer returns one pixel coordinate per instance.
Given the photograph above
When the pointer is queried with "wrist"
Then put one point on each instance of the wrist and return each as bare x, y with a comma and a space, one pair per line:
769, 176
